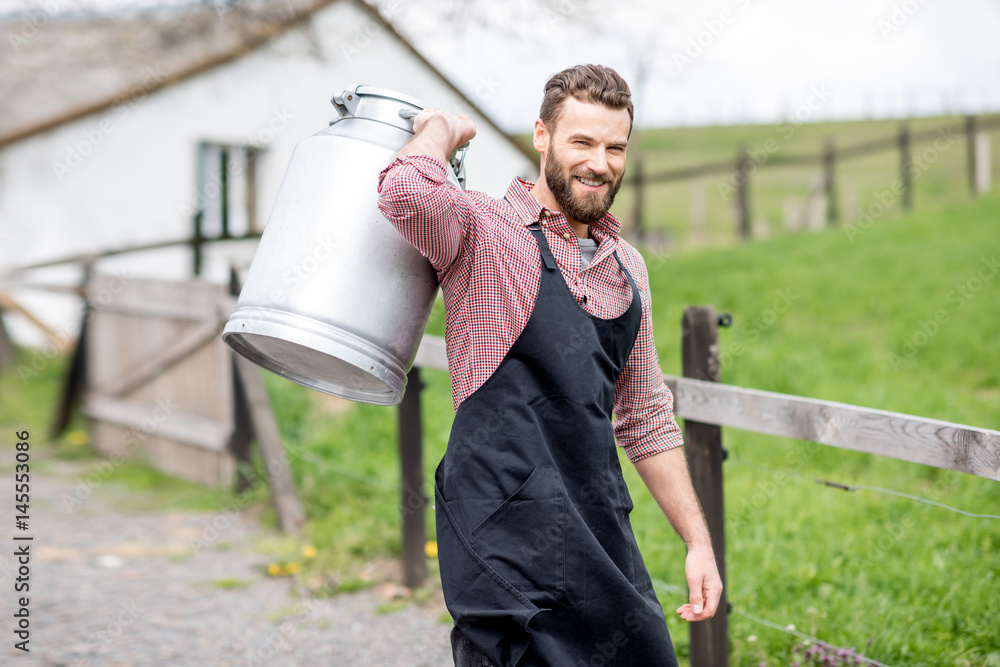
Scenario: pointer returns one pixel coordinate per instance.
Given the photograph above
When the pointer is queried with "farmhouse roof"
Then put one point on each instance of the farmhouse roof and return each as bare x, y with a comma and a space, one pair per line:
61, 68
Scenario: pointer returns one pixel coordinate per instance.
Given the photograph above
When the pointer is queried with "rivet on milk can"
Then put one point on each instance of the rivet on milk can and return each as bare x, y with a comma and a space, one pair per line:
335, 299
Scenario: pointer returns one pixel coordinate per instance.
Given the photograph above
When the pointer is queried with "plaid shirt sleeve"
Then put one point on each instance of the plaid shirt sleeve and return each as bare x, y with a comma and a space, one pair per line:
431, 214
644, 407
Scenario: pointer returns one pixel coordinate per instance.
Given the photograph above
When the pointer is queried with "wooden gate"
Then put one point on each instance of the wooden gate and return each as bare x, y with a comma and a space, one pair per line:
159, 378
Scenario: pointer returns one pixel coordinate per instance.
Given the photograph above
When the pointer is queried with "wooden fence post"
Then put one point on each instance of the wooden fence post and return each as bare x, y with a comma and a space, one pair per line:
829, 184
904, 166
700, 351
742, 177
412, 493
970, 152
291, 516
639, 183
197, 241
8, 353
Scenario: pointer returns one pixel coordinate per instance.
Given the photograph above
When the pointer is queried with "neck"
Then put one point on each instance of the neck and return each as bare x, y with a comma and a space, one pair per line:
545, 197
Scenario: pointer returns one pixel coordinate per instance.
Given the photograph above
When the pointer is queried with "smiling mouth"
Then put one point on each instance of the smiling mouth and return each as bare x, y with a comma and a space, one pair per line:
589, 182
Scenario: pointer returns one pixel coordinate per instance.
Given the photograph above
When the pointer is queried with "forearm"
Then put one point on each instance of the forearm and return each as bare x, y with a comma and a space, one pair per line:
667, 477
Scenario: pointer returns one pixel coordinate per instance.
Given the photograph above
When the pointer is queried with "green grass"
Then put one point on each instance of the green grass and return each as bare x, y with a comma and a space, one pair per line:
920, 583
906, 583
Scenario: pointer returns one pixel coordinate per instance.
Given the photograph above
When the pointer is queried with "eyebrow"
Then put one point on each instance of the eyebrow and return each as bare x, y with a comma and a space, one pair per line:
587, 137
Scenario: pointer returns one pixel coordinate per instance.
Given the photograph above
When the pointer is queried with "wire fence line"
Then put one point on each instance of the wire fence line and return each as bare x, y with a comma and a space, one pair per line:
788, 628
859, 487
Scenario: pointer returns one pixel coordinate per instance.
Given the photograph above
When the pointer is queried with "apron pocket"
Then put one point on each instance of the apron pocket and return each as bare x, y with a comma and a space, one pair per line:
524, 538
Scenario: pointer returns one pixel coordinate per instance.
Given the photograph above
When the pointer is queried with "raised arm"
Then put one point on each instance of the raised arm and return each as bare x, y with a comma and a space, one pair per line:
414, 194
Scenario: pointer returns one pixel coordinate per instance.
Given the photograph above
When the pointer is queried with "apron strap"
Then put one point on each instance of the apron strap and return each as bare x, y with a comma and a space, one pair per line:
628, 275
543, 246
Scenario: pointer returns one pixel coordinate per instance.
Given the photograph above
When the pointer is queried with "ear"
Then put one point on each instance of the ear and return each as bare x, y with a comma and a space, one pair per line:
540, 138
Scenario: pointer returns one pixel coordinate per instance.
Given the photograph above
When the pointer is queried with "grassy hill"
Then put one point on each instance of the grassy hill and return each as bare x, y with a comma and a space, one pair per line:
939, 175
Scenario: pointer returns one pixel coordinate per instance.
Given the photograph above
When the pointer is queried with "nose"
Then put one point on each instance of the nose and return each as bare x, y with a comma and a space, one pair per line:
598, 162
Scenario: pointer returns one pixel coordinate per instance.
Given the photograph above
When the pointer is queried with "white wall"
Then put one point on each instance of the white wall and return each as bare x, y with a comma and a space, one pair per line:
137, 181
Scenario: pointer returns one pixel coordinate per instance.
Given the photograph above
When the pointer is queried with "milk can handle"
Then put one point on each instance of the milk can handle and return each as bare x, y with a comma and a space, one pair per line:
457, 160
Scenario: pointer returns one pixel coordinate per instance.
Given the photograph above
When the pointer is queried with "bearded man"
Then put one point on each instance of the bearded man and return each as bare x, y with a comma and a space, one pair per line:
549, 332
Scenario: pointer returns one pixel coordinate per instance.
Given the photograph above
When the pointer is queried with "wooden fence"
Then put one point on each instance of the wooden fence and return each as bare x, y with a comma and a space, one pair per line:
706, 406
141, 341
741, 169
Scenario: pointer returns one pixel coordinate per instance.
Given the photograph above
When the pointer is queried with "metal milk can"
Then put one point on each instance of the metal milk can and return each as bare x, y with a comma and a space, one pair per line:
335, 299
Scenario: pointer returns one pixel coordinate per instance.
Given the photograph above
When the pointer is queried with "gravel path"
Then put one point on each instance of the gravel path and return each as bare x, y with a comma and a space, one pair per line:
114, 588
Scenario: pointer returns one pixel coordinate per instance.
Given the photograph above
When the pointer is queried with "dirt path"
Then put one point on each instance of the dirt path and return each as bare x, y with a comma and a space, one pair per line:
116, 588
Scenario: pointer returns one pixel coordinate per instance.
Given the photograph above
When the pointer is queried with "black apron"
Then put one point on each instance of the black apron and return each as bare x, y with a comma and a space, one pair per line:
539, 564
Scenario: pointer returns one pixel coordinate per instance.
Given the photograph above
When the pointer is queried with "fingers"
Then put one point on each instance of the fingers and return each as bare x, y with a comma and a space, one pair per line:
451, 131
705, 588
713, 594
696, 586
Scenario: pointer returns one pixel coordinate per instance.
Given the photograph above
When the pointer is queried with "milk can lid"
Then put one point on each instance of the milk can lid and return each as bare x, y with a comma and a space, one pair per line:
373, 103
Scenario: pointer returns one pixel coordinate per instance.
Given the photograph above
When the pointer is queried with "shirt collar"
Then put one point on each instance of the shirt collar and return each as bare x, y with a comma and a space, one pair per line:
530, 209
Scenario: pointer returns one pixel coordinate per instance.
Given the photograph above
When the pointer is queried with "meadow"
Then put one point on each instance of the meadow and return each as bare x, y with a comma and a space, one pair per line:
906, 583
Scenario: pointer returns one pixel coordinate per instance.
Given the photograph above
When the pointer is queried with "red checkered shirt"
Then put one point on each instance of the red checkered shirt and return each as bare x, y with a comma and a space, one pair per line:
488, 265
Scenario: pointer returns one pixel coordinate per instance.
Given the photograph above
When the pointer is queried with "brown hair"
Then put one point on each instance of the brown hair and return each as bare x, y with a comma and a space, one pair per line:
596, 84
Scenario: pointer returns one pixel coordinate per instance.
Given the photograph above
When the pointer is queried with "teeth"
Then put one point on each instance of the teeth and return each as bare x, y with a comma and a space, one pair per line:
592, 184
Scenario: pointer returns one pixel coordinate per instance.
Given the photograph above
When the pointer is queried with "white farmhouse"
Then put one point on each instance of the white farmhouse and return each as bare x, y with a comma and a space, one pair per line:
118, 131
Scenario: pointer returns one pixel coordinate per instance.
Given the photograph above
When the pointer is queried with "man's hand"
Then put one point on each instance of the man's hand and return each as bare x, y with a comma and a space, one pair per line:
438, 134
667, 477
704, 585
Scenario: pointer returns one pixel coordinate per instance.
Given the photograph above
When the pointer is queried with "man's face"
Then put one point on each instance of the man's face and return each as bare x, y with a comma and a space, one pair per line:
584, 158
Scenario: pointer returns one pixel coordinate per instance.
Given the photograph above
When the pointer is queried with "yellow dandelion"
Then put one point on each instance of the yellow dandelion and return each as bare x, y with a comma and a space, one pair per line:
274, 569
431, 549
309, 551
78, 437
293, 567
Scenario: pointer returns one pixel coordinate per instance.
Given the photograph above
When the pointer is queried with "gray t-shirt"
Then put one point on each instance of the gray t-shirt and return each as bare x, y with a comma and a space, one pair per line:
588, 248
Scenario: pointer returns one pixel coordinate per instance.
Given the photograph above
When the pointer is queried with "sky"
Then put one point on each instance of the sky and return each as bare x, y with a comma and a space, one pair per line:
709, 62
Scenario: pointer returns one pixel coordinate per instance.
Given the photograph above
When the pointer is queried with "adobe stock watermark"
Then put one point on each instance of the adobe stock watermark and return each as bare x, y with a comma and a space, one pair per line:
128, 614
93, 137
40, 17
131, 440
215, 527
363, 34
41, 357
914, 168
712, 30
302, 269
766, 490
757, 157
556, 17
262, 654
757, 325
606, 651
899, 16
894, 531
278, 122
927, 329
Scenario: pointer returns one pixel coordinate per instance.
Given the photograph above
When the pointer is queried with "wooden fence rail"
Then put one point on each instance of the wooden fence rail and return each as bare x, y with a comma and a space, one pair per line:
706, 406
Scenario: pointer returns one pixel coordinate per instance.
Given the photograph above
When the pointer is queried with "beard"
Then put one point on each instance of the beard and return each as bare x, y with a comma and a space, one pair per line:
587, 208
